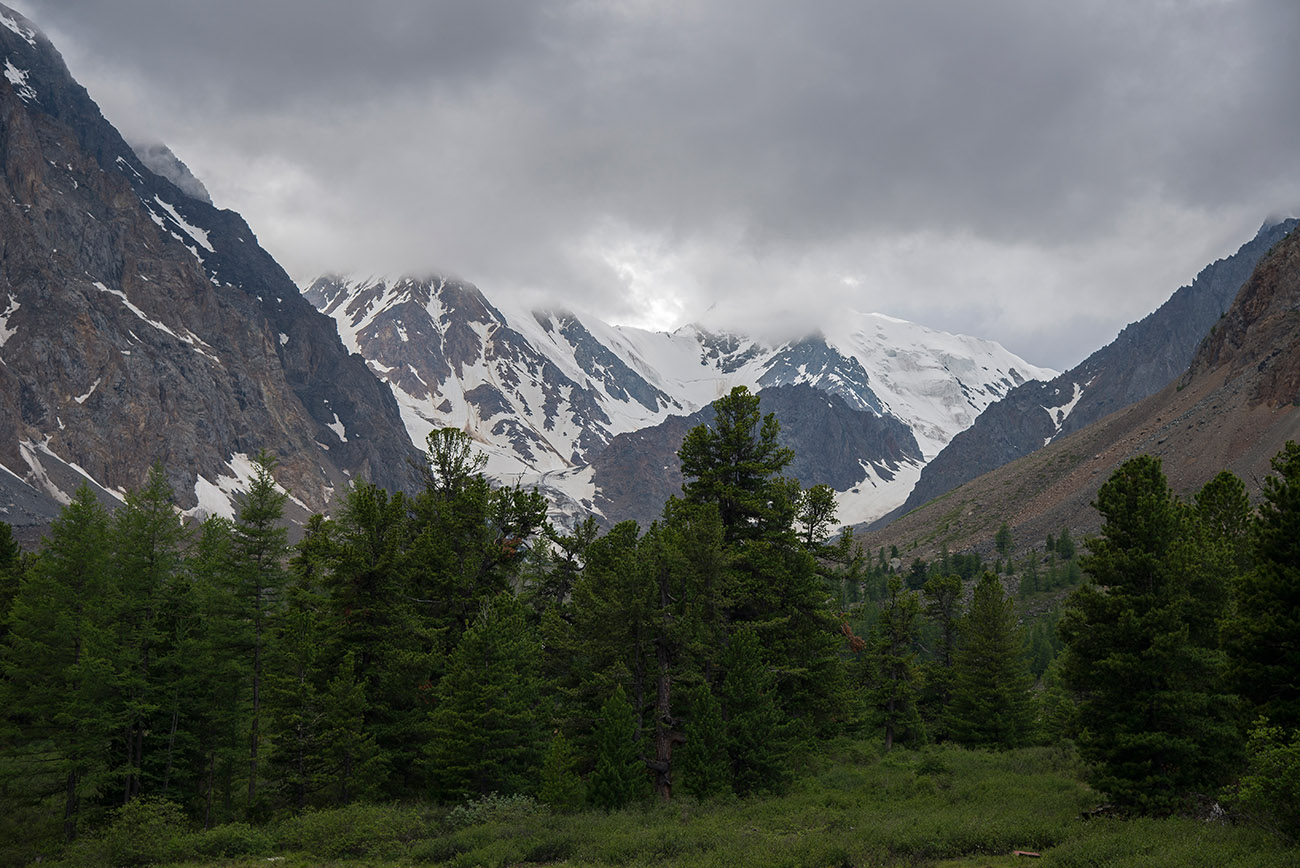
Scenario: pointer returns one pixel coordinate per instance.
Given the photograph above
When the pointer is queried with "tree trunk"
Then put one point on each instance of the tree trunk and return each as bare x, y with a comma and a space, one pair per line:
70, 808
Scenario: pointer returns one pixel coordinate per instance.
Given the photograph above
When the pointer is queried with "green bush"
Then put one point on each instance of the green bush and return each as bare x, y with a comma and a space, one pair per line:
232, 839
493, 808
354, 830
142, 832
1269, 793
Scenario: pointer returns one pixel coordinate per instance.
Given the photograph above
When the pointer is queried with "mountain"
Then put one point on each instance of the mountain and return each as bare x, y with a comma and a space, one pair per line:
1142, 360
140, 324
549, 394
1234, 407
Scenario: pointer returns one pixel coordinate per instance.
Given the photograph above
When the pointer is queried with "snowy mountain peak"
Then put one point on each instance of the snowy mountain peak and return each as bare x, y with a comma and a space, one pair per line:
545, 391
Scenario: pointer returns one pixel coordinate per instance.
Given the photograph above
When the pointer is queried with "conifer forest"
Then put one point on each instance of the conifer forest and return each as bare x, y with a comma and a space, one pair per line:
448, 660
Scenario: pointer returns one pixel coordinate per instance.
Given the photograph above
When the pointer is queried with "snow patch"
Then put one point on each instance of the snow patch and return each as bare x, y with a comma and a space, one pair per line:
1060, 413
5, 332
18, 78
199, 235
28, 35
81, 399
337, 427
284, 339
219, 497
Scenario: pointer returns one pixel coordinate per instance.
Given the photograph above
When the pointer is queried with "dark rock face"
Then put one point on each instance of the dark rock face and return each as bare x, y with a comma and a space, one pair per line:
142, 325
1144, 358
834, 444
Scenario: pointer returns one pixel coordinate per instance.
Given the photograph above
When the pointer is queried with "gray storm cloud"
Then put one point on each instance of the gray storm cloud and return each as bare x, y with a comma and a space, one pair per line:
1038, 173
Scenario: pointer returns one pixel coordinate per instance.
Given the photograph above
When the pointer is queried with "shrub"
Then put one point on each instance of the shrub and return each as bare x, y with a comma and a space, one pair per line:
493, 808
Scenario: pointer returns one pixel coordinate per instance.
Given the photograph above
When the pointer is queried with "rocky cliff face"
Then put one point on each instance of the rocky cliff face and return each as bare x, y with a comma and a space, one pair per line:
1142, 360
139, 324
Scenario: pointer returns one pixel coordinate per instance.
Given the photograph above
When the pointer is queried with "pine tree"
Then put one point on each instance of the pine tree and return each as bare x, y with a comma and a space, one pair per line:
261, 547
893, 674
1262, 634
484, 734
991, 701
619, 777
60, 664
758, 740
1155, 720
736, 463
149, 540
942, 595
560, 786
703, 766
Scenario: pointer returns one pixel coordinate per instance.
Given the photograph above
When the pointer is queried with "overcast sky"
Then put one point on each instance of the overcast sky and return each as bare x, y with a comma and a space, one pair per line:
1036, 172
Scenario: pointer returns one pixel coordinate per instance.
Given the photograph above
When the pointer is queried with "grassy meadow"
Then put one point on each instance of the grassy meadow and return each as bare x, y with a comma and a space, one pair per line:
942, 806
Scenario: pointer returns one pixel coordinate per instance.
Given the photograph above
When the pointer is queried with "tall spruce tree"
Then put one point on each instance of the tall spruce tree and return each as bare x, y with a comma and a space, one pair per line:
893, 674
60, 666
261, 547
990, 704
484, 732
1263, 635
758, 737
619, 777
1155, 719
149, 542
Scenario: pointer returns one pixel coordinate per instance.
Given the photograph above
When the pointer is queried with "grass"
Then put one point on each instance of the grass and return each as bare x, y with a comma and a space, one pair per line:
938, 807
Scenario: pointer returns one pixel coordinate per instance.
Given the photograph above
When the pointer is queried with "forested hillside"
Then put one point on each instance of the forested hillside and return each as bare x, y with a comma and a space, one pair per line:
452, 646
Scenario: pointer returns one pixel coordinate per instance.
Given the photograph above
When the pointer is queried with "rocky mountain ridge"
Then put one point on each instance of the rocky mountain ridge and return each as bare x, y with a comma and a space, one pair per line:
1145, 357
139, 324
1234, 407
546, 393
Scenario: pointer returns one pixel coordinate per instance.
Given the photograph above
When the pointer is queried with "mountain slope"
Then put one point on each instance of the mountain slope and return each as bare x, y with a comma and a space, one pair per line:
1143, 359
546, 393
139, 324
1234, 407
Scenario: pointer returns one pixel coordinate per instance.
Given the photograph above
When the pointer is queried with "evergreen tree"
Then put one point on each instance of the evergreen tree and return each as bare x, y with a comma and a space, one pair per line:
60, 686
1154, 718
560, 787
736, 464
149, 540
704, 767
484, 726
1262, 634
758, 742
991, 701
893, 674
619, 777
1002, 540
942, 595
260, 547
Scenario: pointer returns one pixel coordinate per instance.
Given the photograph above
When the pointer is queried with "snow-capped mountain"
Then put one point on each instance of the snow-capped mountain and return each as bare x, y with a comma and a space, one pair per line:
545, 392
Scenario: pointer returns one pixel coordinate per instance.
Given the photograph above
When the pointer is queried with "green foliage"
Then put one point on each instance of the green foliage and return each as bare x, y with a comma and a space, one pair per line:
893, 673
560, 786
990, 701
619, 777
1153, 714
145, 831
483, 727
493, 808
736, 464
758, 742
1261, 635
703, 767
1269, 791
